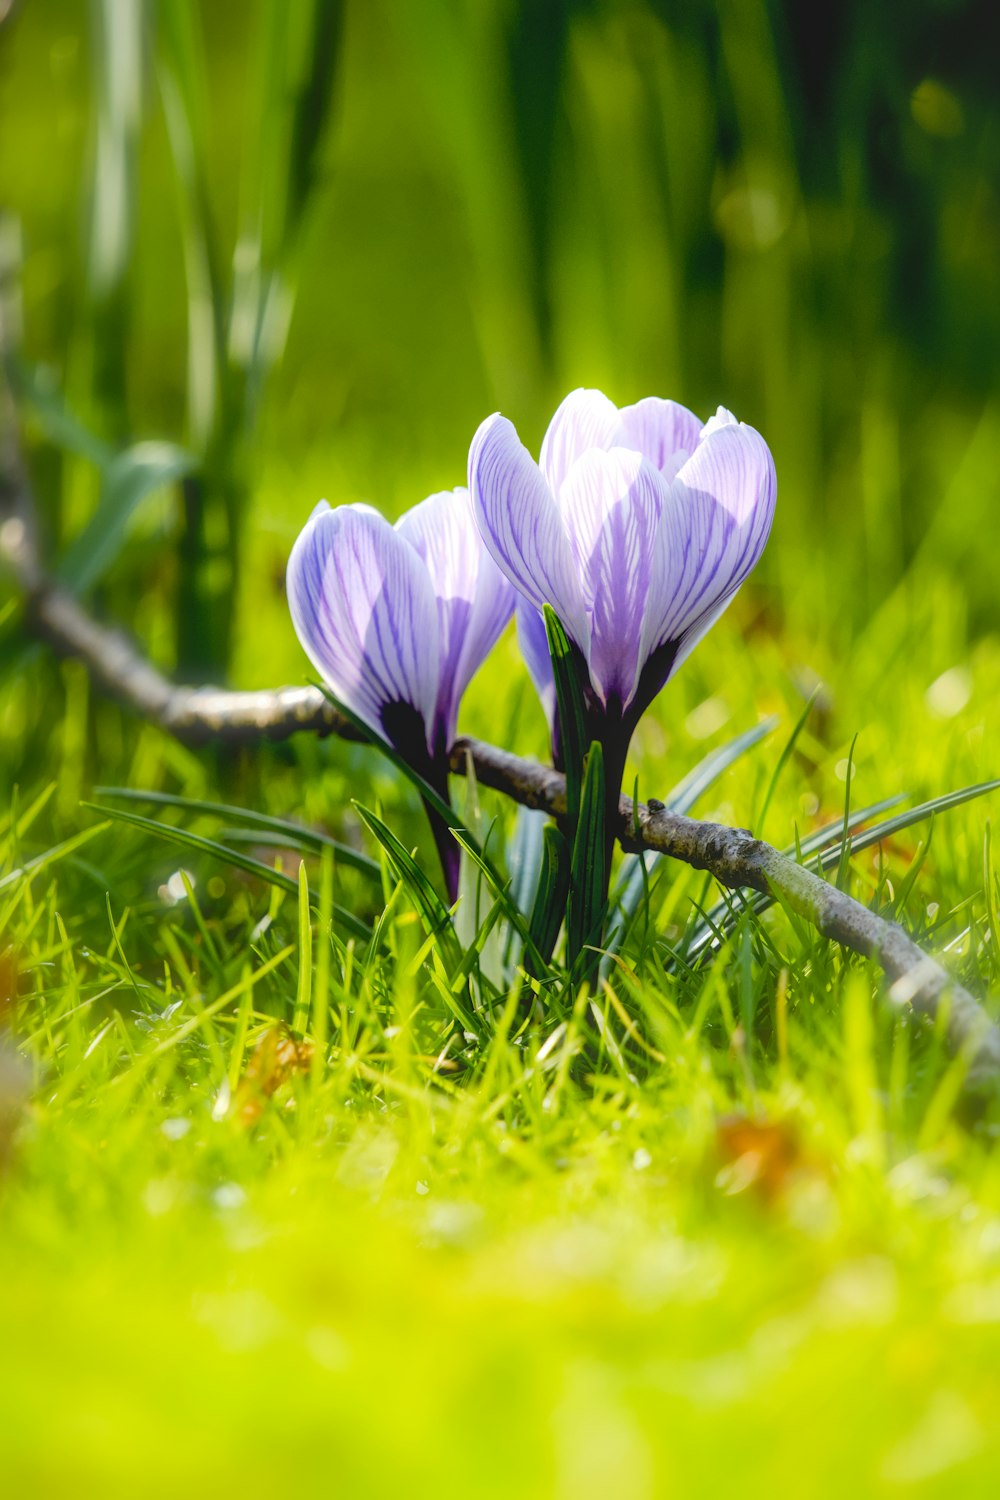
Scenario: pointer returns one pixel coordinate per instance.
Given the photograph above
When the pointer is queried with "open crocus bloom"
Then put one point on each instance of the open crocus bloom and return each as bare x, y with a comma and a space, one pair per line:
637, 526
397, 619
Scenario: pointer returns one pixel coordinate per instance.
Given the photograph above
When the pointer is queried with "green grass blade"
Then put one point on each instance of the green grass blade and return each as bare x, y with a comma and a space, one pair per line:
51, 856
293, 834
199, 844
430, 796
569, 700
125, 482
303, 996
588, 880
183, 73
845, 843
525, 852
551, 894
902, 821
708, 770
831, 834
36, 391
431, 909
830, 852
632, 884
783, 760
433, 799
501, 890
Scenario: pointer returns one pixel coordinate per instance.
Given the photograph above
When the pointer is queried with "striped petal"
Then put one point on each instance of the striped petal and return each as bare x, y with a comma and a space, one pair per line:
712, 533
364, 610
474, 599
611, 504
584, 420
521, 525
664, 432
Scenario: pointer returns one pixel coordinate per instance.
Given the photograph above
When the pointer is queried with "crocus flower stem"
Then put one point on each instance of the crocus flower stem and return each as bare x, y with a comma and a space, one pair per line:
614, 741
611, 724
448, 850
587, 746
433, 771
404, 742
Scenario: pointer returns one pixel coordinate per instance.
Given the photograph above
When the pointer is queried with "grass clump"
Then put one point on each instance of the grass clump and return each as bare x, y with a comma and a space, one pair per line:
288, 1205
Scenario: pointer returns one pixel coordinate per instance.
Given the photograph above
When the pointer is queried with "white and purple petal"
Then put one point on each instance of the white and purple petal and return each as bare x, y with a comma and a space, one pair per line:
474, 599
720, 418
662, 518
521, 525
450, 550
611, 503
664, 432
713, 529
584, 420
364, 610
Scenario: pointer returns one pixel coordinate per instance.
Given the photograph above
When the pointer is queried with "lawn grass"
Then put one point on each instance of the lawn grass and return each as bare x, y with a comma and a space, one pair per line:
732, 1230
726, 1226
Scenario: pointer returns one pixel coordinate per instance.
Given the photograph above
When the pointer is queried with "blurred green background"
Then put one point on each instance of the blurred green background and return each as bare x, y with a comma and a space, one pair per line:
281, 250
316, 244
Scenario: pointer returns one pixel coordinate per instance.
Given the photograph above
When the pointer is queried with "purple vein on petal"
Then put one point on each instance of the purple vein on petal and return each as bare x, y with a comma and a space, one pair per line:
584, 420
521, 525
364, 610
474, 599
611, 503
713, 531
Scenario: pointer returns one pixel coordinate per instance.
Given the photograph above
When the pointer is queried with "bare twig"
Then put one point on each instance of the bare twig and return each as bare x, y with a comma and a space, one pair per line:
733, 856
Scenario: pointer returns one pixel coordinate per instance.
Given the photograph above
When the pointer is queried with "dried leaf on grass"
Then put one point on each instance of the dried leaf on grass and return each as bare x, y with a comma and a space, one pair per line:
9, 976
277, 1057
15, 1077
760, 1156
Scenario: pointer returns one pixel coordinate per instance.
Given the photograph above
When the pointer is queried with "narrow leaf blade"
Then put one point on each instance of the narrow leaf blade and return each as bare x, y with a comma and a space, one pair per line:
551, 894
431, 909
588, 864
570, 708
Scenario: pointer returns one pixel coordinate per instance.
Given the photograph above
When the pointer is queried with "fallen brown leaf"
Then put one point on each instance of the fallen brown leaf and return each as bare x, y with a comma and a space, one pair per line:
9, 975
15, 1075
760, 1156
277, 1057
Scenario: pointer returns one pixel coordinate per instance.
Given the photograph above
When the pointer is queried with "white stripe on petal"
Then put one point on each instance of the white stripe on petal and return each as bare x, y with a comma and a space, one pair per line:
584, 420
663, 431
611, 504
443, 532
713, 530
474, 599
722, 418
521, 526
364, 610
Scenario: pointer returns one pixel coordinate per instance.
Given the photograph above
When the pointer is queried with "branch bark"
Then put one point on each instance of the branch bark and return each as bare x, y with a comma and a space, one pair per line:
733, 856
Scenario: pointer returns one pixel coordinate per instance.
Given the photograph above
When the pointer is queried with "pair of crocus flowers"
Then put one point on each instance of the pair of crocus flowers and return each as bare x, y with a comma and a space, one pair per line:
637, 526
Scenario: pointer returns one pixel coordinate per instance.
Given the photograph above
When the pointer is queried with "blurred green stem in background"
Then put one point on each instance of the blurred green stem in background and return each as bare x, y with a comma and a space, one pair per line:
238, 304
118, 109
237, 324
792, 215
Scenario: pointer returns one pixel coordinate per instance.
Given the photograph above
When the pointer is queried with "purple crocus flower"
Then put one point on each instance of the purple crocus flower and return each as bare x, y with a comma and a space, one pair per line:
397, 619
637, 526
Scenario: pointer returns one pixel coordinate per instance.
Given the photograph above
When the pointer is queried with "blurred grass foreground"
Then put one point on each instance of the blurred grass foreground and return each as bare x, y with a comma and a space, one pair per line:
725, 1223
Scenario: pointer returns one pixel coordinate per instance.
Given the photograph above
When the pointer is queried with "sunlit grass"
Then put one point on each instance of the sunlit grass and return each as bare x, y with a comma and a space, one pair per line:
560, 1254
727, 1224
